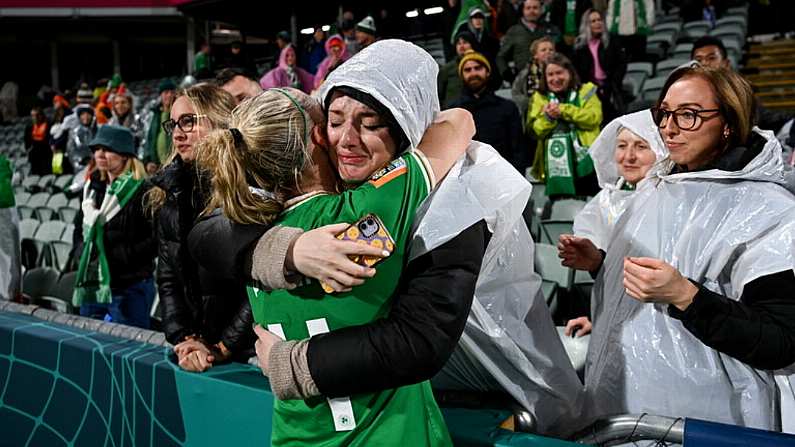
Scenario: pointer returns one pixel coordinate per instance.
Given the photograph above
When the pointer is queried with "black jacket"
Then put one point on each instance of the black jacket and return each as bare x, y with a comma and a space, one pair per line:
614, 64
498, 123
426, 319
129, 243
194, 301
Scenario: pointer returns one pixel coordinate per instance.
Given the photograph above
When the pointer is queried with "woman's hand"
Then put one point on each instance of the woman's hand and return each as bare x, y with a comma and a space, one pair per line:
263, 346
194, 355
552, 110
320, 255
651, 280
578, 327
578, 253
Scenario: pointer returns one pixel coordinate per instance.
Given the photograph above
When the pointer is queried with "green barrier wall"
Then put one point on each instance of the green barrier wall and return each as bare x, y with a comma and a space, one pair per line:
64, 386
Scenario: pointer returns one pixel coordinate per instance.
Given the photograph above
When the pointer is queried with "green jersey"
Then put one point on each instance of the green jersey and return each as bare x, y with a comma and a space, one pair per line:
402, 416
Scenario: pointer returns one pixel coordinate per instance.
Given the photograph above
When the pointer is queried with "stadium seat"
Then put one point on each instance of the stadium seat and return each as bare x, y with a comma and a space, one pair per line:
552, 229
566, 209
682, 51
27, 228
50, 210
652, 87
38, 282
68, 232
67, 213
31, 182
35, 201
47, 232
729, 30
694, 30
658, 44
60, 254
548, 265
665, 67
61, 182
59, 295
21, 197
733, 20
674, 26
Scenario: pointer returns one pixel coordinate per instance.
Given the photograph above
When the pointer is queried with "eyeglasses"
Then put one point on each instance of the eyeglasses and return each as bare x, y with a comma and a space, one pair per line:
684, 118
184, 122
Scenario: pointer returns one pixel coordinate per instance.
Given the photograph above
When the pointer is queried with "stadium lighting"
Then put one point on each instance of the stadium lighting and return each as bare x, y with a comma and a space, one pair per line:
307, 31
413, 13
434, 10
326, 27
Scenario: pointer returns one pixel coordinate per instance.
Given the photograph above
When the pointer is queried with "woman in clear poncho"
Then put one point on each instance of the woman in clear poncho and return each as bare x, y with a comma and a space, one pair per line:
623, 156
694, 294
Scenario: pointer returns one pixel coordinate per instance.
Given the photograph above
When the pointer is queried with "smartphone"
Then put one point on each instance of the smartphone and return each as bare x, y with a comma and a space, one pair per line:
368, 230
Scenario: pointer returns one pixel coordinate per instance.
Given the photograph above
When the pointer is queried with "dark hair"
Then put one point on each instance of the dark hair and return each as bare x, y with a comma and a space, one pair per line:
708, 41
227, 74
733, 94
563, 61
395, 131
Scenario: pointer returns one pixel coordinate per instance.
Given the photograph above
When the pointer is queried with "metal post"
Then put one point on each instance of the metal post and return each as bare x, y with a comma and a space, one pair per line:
191, 40
56, 84
294, 29
116, 57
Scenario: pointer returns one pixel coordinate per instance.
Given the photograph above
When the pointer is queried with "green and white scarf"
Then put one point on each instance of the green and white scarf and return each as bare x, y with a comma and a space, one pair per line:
641, 25
92, 282
564, 158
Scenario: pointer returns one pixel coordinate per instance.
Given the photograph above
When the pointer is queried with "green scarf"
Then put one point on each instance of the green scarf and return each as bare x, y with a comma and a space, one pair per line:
564, 158
642, 27
6, 190
92, 282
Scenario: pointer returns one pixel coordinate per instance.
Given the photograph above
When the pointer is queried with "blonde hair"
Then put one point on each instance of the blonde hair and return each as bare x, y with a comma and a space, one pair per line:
733, 94
269, 153
205, 99
133, 164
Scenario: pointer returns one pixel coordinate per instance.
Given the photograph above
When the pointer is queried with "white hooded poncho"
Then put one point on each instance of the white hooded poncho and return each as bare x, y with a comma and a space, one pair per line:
597, 219
723, 230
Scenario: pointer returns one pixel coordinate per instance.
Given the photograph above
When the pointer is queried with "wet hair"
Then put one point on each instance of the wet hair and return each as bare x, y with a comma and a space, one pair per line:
708, 41
395, 131
562, 61
206, 99
733, 94
264, 150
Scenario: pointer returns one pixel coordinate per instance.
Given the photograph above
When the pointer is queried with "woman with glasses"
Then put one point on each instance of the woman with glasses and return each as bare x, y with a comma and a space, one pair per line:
206, 319
113, 236
694, 303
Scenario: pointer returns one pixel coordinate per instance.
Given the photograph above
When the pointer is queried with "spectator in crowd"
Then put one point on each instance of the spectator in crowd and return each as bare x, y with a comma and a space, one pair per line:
59, 135
486, 42
102, 109
124, 114
365, 33
207, 321
348, 31
77, 150
157, 145
238, 57
623, 155
37, 143
114, 236
347, 115
283, 39
497, 121
565, 115
517, 40
10, 265
565, 15
600, 62
336, 54
202, 67
238, 83
720, 298
288, 73
450, 84
508, 15
315, 50
710, 52
629, 22
529, 78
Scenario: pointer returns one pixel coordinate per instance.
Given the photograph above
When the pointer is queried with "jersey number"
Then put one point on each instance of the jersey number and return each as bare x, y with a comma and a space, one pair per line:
341, 409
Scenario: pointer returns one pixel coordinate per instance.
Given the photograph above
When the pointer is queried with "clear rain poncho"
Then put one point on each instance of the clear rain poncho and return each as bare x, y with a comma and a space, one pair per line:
509, 342
596, 220
723, 230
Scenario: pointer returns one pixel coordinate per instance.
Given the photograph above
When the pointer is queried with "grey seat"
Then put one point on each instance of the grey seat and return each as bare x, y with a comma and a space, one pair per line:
59, 295
27, 228
38, 282
67, 213
652, 87
552, 229
682, 51
31, 182
47, 233
548, 265
62, 181
665, 67
566, 209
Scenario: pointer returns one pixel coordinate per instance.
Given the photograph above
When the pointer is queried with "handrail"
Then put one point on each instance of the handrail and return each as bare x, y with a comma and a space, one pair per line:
633, 427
